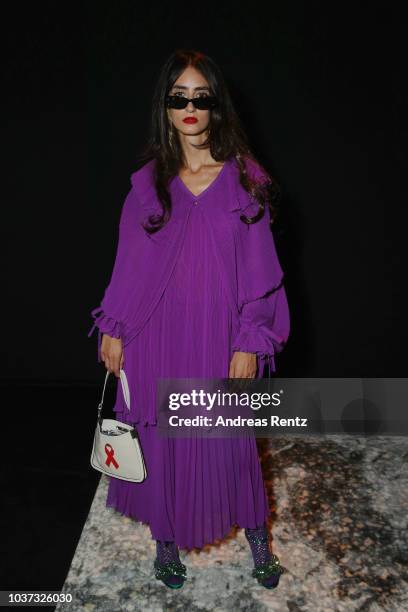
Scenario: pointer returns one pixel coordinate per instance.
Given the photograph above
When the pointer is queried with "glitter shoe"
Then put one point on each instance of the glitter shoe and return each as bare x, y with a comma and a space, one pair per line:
172, 573
267, 568
167, 565
268, 574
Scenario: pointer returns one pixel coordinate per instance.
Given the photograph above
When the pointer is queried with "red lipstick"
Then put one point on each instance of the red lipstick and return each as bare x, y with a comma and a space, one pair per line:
190, 120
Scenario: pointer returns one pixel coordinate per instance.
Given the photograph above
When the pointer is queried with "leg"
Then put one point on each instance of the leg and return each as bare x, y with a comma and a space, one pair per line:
267, 568
168, 566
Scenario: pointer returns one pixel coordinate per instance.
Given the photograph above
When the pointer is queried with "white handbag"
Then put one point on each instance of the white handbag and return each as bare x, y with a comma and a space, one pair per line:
116, 447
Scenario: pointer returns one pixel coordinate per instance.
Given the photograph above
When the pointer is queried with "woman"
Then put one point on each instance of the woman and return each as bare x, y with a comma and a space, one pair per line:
196, 291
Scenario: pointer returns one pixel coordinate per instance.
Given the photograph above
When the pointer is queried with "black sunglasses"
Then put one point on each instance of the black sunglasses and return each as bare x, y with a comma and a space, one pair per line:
201, 103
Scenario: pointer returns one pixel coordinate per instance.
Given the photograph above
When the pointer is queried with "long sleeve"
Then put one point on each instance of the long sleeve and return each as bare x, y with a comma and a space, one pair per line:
264, 327
264, 319
106, 319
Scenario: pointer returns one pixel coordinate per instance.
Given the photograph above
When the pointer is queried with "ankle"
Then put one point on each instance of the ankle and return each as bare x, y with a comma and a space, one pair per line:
259, 543
267, 568
166, 551
168, 567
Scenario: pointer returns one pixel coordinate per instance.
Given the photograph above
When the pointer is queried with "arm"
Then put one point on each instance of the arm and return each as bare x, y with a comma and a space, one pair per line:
107, 317
264, 327
106, 325
264, 320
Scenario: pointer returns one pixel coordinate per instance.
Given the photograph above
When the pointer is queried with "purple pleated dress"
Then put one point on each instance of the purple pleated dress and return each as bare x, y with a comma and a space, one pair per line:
196, 488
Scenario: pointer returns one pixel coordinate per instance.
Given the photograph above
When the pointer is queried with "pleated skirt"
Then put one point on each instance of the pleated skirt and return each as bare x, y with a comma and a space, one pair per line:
197, 488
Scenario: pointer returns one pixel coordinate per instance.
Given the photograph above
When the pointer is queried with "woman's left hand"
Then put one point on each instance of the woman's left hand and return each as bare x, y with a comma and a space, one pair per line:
242, 365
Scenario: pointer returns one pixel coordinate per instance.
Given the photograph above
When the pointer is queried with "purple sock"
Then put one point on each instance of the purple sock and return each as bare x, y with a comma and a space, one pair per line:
167, 552
259, 543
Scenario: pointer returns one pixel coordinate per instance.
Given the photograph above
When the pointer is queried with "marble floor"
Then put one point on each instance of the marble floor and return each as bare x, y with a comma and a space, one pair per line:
339, 528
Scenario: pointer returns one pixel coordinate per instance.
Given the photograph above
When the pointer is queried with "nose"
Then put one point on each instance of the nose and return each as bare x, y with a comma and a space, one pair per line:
190, 106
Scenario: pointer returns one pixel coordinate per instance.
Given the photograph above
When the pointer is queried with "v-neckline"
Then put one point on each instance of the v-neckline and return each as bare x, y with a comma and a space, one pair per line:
207, 189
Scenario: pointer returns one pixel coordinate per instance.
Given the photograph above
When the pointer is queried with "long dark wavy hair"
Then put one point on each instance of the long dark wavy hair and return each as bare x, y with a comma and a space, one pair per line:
226, 139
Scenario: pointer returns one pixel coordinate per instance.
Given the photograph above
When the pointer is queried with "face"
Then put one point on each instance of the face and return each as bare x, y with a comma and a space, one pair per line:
190, 84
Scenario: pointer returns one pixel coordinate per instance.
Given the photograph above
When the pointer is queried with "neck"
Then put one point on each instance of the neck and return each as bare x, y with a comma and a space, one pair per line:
194, 158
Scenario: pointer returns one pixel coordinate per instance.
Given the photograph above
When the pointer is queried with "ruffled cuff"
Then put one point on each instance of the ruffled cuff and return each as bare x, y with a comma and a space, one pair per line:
249, 341
264, 327
252, 341
106, 325
258, 339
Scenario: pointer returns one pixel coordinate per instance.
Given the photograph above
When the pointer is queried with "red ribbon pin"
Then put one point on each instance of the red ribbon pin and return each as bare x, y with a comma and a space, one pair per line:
109, 456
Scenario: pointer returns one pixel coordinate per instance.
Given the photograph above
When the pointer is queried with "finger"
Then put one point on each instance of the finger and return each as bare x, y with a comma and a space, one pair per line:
110, 365
115, 364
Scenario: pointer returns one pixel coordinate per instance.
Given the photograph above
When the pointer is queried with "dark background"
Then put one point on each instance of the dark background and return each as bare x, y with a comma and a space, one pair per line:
319, 88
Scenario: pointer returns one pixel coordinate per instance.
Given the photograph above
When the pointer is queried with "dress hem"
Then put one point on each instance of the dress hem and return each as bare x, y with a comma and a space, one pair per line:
171, 538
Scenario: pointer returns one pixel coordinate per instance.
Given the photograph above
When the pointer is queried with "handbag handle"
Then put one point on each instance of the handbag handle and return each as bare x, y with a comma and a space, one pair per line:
125, 390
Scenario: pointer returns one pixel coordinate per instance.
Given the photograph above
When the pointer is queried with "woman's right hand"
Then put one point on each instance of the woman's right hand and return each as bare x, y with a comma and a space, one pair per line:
112, 354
